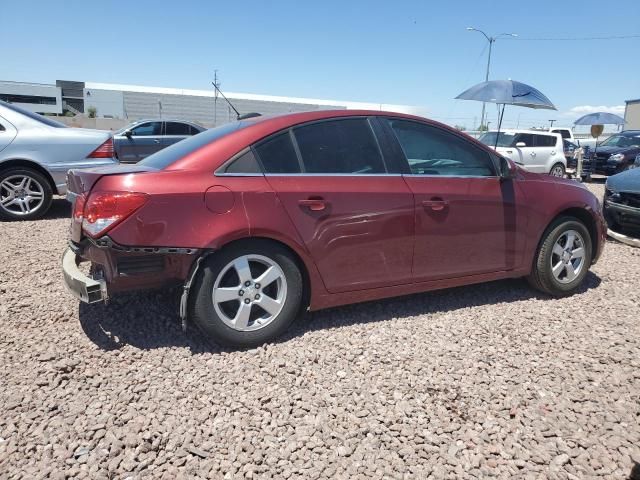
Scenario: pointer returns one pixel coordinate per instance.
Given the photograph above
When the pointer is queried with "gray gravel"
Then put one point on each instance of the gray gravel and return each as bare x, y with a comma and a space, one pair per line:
488, 380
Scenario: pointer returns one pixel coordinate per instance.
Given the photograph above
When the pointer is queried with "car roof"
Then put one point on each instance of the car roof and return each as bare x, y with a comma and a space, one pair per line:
514, 131
143, 120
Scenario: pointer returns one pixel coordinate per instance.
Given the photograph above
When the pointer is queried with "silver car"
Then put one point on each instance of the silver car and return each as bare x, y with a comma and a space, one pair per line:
142, 138
35, 155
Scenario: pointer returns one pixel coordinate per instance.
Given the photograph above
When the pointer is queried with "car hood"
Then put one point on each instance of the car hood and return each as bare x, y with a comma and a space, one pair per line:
614, 150
628, 181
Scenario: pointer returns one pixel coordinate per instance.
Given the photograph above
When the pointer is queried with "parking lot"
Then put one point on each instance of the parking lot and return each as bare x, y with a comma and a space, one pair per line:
487, 380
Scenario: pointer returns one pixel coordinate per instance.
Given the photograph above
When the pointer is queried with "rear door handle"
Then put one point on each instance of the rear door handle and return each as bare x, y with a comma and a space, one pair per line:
156, 141
533, 154
436, 204
314, 204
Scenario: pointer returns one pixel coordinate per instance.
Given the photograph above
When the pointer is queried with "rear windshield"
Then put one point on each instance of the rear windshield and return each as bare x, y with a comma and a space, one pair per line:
504, 139
34, 116
175, 152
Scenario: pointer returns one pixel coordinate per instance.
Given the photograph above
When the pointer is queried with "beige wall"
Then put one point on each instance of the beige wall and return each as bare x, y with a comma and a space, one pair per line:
632, 116
97, 123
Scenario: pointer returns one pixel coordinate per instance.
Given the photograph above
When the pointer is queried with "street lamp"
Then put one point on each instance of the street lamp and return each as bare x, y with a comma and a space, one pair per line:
491, 41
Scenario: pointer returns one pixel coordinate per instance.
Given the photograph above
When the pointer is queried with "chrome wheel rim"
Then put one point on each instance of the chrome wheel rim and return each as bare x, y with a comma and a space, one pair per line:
249, 292
21, 195
557, 171
568, 257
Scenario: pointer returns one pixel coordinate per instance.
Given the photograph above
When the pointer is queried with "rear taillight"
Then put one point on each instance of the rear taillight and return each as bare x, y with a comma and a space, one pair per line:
78, 207
104, 210
103, 151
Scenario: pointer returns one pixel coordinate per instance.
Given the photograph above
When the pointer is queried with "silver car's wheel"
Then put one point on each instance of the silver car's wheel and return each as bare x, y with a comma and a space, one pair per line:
249, 292
557, 170
23, 194
568, 256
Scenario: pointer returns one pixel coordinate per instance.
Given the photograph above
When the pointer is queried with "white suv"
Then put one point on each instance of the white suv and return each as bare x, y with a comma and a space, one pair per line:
539, 152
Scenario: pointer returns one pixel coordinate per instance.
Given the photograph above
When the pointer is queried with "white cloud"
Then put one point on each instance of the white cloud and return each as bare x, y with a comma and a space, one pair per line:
585, 109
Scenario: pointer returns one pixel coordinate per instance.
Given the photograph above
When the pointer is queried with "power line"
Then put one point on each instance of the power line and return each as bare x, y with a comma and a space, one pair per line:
605, 37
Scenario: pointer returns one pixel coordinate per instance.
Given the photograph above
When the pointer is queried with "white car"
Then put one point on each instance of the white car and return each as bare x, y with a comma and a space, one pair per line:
539, 152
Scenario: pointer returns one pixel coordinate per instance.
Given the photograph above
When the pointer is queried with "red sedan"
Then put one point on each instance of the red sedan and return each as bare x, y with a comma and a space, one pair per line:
264, 217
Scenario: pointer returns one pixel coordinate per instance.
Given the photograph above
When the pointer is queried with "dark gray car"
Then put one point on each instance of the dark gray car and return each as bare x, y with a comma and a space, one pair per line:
142, 138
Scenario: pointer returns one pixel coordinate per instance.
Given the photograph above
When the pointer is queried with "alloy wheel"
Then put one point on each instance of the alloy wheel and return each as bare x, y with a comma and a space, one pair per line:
21, 195
568, 256
557, 171
249, 292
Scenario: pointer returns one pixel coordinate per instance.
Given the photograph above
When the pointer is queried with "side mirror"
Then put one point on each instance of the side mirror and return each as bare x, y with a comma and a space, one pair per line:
507, 169
521, 144
127, 133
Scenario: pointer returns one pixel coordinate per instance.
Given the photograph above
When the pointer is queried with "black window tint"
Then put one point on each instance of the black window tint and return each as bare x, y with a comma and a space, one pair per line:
193, 130
545, 141
278, 155
339, 146
177, 128
245, 163
525, 138
147, 129
432, 151
563, 133
2, 129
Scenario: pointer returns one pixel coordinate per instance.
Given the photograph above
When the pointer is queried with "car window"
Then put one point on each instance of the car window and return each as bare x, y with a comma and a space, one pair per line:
339, 146
526, 138
433, 151
167, 156
147, 129
2, 129
245, 163
563, 133
33, 116
177, 128
505, 139
629, 140
193, 130
277, 155
544, 141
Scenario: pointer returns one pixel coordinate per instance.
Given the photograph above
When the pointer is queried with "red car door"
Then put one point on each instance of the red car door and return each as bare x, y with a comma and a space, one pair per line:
355, 218
466, 219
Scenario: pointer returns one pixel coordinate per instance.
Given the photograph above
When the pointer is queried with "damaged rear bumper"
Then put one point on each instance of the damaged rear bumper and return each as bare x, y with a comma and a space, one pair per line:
81, 286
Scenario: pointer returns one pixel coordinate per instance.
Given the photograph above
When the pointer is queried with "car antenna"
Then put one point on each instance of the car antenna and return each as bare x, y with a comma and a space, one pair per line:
239, 117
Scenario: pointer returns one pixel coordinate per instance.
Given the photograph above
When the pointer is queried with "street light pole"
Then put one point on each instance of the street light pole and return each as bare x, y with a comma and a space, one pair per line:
491, 41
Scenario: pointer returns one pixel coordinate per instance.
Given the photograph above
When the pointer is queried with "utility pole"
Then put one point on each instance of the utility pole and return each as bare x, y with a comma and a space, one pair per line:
491, 40
215, 98
551, 122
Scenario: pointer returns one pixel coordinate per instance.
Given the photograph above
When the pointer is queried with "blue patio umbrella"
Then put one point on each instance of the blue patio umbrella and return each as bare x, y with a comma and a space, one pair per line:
507, 92
600, 118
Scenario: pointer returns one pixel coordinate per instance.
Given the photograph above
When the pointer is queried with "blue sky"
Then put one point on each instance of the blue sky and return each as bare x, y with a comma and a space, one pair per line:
398, 52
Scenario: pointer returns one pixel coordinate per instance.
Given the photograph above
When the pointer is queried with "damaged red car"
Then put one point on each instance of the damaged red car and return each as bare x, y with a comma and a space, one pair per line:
260, 219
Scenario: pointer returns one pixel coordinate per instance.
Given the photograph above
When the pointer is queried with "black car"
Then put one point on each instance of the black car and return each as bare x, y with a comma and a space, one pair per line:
621, 204
617, 153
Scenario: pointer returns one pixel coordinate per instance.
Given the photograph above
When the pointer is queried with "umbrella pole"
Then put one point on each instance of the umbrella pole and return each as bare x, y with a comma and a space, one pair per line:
500, 115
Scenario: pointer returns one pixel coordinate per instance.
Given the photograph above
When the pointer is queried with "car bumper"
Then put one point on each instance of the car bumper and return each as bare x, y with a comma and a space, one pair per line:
81, 286
621, 216
119, 268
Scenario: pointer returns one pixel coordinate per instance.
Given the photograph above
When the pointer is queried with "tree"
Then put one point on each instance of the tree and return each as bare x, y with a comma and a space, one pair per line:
92, 111
483, 128
462, 128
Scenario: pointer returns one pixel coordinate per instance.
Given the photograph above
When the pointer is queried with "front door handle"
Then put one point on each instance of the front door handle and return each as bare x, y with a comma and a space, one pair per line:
436, 204
533, 154
156, 141
314, 204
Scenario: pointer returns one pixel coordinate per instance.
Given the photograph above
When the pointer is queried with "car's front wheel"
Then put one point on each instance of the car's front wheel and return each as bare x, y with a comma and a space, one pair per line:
563, 258
25, 194
247, 294
557, 170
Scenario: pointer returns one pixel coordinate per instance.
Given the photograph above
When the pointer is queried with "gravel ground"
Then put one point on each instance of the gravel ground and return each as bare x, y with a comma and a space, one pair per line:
488, 380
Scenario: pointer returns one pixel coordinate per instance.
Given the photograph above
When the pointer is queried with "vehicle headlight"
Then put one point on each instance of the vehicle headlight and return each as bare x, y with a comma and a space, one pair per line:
618, 157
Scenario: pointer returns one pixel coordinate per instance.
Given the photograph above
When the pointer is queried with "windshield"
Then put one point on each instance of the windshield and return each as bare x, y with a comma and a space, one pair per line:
175, 152
622, 141
33, 116
504, 139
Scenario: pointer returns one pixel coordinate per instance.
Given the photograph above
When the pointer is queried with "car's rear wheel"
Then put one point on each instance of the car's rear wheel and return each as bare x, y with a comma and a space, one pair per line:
25, 194
247, 294
557, 170
563, 258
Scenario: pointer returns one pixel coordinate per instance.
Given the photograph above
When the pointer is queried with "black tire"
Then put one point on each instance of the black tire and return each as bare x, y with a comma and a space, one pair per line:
203, 313
541, 276
558, 165
42, 181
